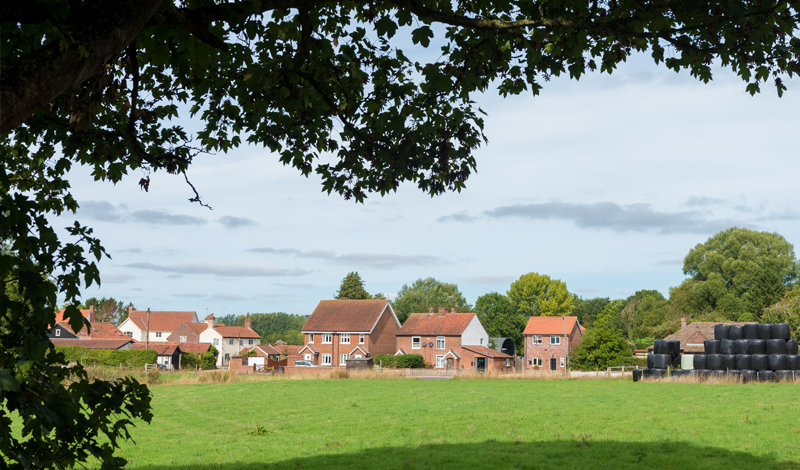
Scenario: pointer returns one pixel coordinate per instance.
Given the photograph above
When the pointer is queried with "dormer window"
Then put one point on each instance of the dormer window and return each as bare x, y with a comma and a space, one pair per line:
58, 331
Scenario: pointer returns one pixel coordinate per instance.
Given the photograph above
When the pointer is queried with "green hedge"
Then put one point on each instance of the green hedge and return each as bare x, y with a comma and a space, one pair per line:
407, 361
109, 357
208, 360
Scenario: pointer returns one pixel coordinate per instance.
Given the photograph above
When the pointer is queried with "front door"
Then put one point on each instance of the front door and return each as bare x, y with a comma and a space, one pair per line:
480, 364
552, 363
450, 363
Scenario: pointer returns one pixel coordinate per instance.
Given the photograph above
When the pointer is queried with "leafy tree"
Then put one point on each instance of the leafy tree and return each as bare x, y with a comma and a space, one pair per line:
352, 288
303, 79
587, 310
787, 310
208, 360
639, 308
271, 326
499, 318
107, 309
537, 295
735, 261
603, 345
428, 293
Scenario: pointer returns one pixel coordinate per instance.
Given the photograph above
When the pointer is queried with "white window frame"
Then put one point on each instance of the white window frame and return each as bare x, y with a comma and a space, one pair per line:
216, 341
129, 334
440, 361
480, 342
358, 356
58, 331
418, 341
308, 356
327, 338
158, 334
562, 362
508, 362
250, 342
343, 359
344, 338
361, 339
555, 340
311, 337
230, 342
536, 361
536, 339
440, 343
325, 359
183, 339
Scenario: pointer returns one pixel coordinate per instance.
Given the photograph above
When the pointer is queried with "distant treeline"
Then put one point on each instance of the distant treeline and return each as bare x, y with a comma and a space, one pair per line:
271, 326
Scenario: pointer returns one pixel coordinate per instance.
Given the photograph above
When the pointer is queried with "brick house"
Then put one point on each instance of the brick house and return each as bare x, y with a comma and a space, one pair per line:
159, 324
98, 330
340, 329
545, 344
450, 340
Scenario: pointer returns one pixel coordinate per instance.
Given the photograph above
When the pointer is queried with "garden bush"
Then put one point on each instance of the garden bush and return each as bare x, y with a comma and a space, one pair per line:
190, 361
407, 361
109, 357
208, 360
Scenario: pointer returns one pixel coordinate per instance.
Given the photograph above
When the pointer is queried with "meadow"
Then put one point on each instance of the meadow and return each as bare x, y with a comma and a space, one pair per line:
457, 424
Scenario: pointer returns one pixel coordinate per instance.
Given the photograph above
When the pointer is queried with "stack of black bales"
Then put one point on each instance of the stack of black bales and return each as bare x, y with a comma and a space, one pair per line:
666, 355
755, 351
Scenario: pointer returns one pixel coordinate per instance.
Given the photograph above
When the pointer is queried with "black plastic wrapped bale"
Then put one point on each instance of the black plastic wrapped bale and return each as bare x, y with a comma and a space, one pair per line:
728, 361
721, 331
791, 347
766, 376
792, 362
711, 346
784, 376
647, 373
659, 373
660, 346
776, 346
674, 347
719, 374
778, 362
702, 374
781, 331
742, 346
759, 362
699, 362
650, 361
750, 331
690, 373
743, 362
727, 346
735, 375
758, 346
748, 376
676, 361
735, 332
714, 361
637, 375
764, 331
662, 361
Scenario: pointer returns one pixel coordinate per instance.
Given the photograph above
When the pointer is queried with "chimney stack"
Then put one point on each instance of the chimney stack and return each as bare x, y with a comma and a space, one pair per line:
248, 323
210, 321
430, 310
453, 310
91, 314
442, 311
130, 310
683, 322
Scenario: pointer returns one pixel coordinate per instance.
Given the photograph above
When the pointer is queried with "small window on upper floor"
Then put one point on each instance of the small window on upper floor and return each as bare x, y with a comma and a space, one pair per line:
555, 340
58, 331
360, 339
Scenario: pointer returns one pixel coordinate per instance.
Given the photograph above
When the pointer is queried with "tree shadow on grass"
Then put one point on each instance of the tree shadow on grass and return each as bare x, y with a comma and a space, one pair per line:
584, 452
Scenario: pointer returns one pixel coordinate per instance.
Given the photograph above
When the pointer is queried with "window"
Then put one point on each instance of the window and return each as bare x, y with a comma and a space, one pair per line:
536, 361
183, 339
440, 342
555, 340
250, 342
308, 356
230, 341
562, 362
358, 356
326, 359
311, 337
129, 334
343, 359
440, 361
158, 334
216, 341
415, 342
508, 362
327, 338
481, 342
58, 331
344, 338
536, 339
360, 339
241, 342
227, 357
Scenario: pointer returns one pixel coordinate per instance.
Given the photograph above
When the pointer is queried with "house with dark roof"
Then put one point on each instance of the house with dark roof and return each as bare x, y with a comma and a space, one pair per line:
340, 329
692, 335
550, 340
169, 354
451, 340
154, 326
98, 330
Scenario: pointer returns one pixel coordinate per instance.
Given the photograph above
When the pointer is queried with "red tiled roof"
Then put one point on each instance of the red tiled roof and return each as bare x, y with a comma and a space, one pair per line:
488, 352
265, 349
163, 349
197, 328
703, 328
451, 324
162, 321
345, 316
236, 332
94, 343
197, 348
549, 325
99, 330
60, 315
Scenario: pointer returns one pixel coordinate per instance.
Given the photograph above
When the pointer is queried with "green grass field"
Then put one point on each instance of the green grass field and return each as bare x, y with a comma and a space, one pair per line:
457, 424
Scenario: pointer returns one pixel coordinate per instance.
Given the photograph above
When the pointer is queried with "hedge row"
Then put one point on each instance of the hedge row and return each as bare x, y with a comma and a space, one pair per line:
407, 361
109, 357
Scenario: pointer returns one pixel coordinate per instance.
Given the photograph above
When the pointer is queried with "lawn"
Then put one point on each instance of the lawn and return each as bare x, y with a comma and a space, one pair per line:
457, 424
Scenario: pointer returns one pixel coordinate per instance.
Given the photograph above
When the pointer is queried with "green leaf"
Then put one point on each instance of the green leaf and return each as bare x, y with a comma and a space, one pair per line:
8, 383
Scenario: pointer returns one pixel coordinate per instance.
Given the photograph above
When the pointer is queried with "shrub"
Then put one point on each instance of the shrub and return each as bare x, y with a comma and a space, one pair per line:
208, 360
632, 361
190, 361
410, 361
386, 360
135, 358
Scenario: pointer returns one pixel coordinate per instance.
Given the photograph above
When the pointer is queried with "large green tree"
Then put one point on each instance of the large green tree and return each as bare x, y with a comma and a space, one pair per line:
352, 288
587, 310
107, 309
499, 317
536, 294
111, 85
740, 270
424, 294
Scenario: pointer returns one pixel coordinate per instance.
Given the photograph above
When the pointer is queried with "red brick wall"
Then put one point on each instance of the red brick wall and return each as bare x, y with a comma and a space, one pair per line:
383, 339
183, 330
429, 353
546, 350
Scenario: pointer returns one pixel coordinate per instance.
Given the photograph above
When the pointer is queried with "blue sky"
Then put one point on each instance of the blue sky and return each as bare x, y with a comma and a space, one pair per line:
605, 183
